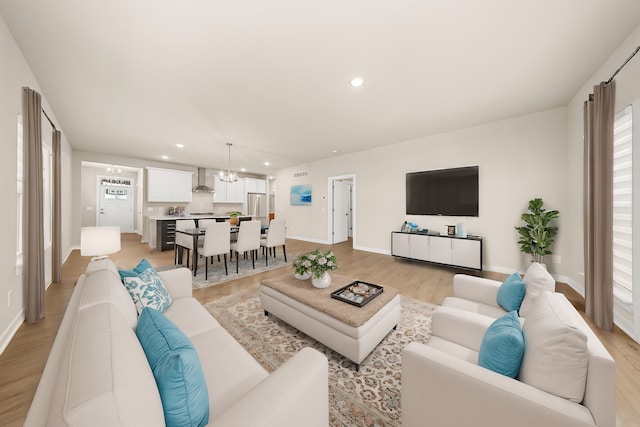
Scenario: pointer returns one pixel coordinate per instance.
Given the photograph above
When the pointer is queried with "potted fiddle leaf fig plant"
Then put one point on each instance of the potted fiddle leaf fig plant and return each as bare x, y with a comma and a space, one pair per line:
537, 234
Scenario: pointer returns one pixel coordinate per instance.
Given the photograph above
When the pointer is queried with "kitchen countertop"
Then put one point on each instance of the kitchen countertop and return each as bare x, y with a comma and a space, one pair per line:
189, 216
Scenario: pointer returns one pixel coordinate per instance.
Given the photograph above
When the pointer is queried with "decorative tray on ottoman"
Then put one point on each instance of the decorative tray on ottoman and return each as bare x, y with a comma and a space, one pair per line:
357, 293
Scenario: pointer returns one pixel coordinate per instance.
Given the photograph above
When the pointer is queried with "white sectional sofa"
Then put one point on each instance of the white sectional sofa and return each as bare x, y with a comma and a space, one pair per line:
97, 373
443, 385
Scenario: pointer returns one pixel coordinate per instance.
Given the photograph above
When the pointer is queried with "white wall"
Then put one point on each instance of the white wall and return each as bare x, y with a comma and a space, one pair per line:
15, 74
520, 158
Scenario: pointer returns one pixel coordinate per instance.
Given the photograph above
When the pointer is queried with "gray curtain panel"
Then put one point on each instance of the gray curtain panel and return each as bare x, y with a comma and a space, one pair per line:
33, 229
598, 200
56, 264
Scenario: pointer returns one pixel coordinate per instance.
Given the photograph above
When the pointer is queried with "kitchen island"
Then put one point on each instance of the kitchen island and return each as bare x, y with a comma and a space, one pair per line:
162, 228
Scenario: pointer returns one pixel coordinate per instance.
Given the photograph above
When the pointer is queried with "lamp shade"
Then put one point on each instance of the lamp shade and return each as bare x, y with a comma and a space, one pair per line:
99, 241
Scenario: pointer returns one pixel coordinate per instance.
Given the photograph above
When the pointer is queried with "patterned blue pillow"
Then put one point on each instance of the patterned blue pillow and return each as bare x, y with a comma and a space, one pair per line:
148, 290
135, 271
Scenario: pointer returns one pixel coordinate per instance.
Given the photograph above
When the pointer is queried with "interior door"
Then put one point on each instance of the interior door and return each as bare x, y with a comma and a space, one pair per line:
341, 203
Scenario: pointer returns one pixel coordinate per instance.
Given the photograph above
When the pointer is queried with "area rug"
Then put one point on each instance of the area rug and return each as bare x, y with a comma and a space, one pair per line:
216, 272
368, 398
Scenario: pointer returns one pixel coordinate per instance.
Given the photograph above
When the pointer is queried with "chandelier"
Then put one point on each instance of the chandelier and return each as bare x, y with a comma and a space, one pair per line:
229, 176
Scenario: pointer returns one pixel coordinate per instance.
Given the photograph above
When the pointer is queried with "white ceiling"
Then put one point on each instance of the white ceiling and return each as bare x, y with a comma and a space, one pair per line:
135, 77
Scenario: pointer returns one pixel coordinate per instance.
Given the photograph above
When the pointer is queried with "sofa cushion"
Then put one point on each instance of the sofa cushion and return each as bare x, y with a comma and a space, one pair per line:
503, 346
135, 271
147, 290
176, 368
557, 357
536, 279
511, 292
104, 374
105, 287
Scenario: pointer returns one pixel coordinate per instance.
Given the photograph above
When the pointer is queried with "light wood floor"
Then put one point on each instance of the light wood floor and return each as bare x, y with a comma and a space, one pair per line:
22, 362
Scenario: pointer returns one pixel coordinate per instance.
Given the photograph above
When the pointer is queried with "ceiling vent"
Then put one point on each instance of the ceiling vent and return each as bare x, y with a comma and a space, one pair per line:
300, 174
202, 182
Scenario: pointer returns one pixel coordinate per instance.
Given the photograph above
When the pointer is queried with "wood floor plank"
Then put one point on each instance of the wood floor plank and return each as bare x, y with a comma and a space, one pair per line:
22, 362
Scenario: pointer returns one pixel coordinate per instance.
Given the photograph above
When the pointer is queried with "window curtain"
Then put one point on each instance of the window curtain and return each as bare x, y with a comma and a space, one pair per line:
598, 199
33, 229
56, 253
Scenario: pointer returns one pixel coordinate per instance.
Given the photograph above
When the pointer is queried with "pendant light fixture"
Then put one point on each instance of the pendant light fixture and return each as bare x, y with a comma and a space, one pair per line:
229, 176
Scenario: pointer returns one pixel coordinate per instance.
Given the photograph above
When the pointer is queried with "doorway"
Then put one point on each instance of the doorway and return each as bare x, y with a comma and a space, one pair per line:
115, 203
342, 224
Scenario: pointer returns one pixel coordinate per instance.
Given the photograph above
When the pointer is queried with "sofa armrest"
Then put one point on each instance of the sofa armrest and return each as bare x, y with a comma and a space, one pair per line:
447, 391
178, 282
296, 394
476, 289
461, 327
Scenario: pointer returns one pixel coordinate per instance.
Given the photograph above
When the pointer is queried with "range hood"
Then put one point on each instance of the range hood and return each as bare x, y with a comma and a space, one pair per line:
202, 179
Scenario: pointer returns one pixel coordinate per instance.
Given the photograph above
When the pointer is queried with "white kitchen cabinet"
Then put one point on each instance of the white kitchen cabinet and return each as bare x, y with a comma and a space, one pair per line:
166, 185
446, 250
229, 192
254, 185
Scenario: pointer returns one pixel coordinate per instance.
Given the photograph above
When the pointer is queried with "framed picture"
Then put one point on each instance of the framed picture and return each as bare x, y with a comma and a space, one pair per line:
300, 195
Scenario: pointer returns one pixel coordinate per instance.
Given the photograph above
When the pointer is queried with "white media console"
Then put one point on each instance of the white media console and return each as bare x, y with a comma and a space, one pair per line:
463, 252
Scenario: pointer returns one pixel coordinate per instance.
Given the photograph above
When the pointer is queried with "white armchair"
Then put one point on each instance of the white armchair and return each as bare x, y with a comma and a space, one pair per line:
443, 385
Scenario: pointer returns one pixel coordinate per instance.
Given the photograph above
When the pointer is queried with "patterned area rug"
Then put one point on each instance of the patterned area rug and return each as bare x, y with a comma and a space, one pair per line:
216, 272
368, 398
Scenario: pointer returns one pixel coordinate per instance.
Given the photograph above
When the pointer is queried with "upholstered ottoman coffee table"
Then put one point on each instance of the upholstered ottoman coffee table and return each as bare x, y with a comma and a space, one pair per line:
347, 329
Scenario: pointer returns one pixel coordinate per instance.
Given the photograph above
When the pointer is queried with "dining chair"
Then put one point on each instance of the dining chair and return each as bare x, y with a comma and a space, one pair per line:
216, 242
248, 241
183, 241
275, 237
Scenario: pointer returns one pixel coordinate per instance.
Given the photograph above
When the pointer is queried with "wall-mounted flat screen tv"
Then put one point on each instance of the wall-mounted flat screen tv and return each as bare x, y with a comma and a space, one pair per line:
448, 192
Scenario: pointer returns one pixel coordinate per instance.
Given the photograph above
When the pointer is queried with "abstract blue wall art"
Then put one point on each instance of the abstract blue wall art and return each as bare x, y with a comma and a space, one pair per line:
300, 195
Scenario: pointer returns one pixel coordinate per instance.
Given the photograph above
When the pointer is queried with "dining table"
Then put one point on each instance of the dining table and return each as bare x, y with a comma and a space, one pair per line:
195, 233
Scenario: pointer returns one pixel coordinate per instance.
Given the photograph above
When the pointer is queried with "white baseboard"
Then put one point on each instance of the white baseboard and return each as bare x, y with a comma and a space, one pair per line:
306, 239
374, 250
8, 334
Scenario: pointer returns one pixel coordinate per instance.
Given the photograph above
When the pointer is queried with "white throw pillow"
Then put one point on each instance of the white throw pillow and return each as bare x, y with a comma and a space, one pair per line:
556, 357
536, 279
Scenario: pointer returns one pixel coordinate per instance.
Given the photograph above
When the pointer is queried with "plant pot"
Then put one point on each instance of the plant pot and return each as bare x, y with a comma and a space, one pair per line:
234, 220
321, 282
304, 276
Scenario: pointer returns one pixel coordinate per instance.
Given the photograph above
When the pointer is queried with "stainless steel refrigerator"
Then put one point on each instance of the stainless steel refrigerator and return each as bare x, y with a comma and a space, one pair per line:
257, 206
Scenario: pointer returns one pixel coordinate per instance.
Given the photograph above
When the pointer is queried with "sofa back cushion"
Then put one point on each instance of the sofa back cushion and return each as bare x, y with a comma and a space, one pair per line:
104, 377
537, 279
557, 357
104, 286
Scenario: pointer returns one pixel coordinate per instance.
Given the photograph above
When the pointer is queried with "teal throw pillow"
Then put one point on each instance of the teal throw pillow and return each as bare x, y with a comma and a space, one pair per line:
502, 346
135, 271
511, 292
176, 368
148, 290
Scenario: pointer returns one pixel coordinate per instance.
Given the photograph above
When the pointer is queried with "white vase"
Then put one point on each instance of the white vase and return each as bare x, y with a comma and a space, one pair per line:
303, 276
321, 282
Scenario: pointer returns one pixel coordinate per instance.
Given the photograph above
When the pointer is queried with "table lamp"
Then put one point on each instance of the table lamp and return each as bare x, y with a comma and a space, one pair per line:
99, 242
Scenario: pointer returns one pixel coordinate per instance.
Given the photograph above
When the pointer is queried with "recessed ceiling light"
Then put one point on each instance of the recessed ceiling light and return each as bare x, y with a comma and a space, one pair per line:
334, 151
357, 81
180, 145
243, 170
270, 177
266, 163
165, 157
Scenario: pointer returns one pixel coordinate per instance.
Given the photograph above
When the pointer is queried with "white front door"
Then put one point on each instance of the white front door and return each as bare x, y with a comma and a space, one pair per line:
341, 204
116, 207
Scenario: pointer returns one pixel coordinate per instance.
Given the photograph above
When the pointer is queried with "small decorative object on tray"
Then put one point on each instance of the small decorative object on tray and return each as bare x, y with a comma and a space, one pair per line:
357, 293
